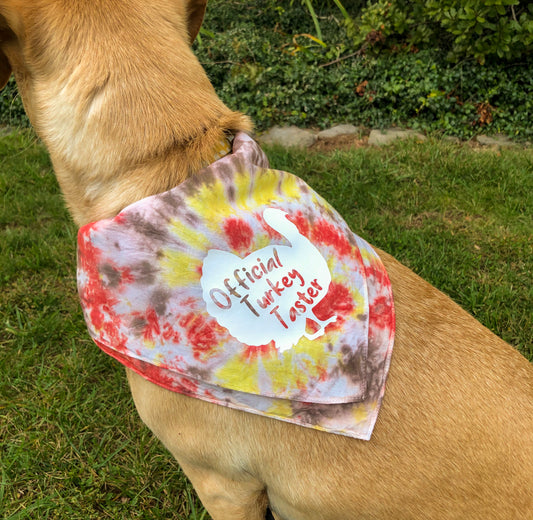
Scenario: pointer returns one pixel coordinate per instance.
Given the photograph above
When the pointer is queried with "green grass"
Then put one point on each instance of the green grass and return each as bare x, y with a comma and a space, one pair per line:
71, 443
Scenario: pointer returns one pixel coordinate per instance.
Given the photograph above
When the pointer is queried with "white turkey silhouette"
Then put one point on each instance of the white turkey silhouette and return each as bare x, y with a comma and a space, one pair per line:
269, 294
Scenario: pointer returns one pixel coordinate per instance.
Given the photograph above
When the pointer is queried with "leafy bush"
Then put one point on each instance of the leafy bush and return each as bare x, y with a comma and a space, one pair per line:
478, 28
482, 28
282, 78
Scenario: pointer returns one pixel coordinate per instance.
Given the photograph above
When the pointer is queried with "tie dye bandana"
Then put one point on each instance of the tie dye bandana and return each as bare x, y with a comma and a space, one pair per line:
244, 288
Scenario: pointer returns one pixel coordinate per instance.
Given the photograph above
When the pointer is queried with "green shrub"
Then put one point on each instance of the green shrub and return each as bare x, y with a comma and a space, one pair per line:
471, 28
482, 28
279, 82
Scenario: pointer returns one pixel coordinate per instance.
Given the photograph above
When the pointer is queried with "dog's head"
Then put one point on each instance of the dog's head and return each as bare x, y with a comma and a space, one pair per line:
30, 30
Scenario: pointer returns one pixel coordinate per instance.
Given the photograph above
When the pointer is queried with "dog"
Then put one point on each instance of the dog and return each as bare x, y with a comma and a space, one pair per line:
126, 111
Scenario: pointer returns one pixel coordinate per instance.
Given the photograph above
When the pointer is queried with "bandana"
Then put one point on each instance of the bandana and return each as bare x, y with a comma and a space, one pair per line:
243, 287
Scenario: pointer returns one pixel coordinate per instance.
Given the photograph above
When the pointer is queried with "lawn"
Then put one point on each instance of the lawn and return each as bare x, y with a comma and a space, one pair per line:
71, 443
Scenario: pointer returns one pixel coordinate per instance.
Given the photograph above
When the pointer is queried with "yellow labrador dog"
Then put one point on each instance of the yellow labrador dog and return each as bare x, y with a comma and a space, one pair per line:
126, 111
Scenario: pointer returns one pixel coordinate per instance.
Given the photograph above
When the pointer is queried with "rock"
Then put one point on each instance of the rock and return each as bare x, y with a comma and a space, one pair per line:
380, 138
288, 136
336, 131
497, 140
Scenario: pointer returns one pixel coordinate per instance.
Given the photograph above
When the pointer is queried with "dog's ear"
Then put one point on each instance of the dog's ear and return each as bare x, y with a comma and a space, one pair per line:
195, 17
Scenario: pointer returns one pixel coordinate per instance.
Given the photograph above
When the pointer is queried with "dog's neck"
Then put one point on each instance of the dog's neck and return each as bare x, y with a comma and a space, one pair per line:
102, 187
105, 160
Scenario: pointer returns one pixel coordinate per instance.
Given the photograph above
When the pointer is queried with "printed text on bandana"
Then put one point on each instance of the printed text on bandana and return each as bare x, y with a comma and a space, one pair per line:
271, 293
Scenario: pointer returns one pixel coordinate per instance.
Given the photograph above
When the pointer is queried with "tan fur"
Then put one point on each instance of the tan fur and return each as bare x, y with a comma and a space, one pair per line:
126, 111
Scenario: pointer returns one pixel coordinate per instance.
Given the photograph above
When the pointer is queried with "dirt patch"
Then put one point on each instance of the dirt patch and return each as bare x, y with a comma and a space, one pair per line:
342, 142
452, 219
